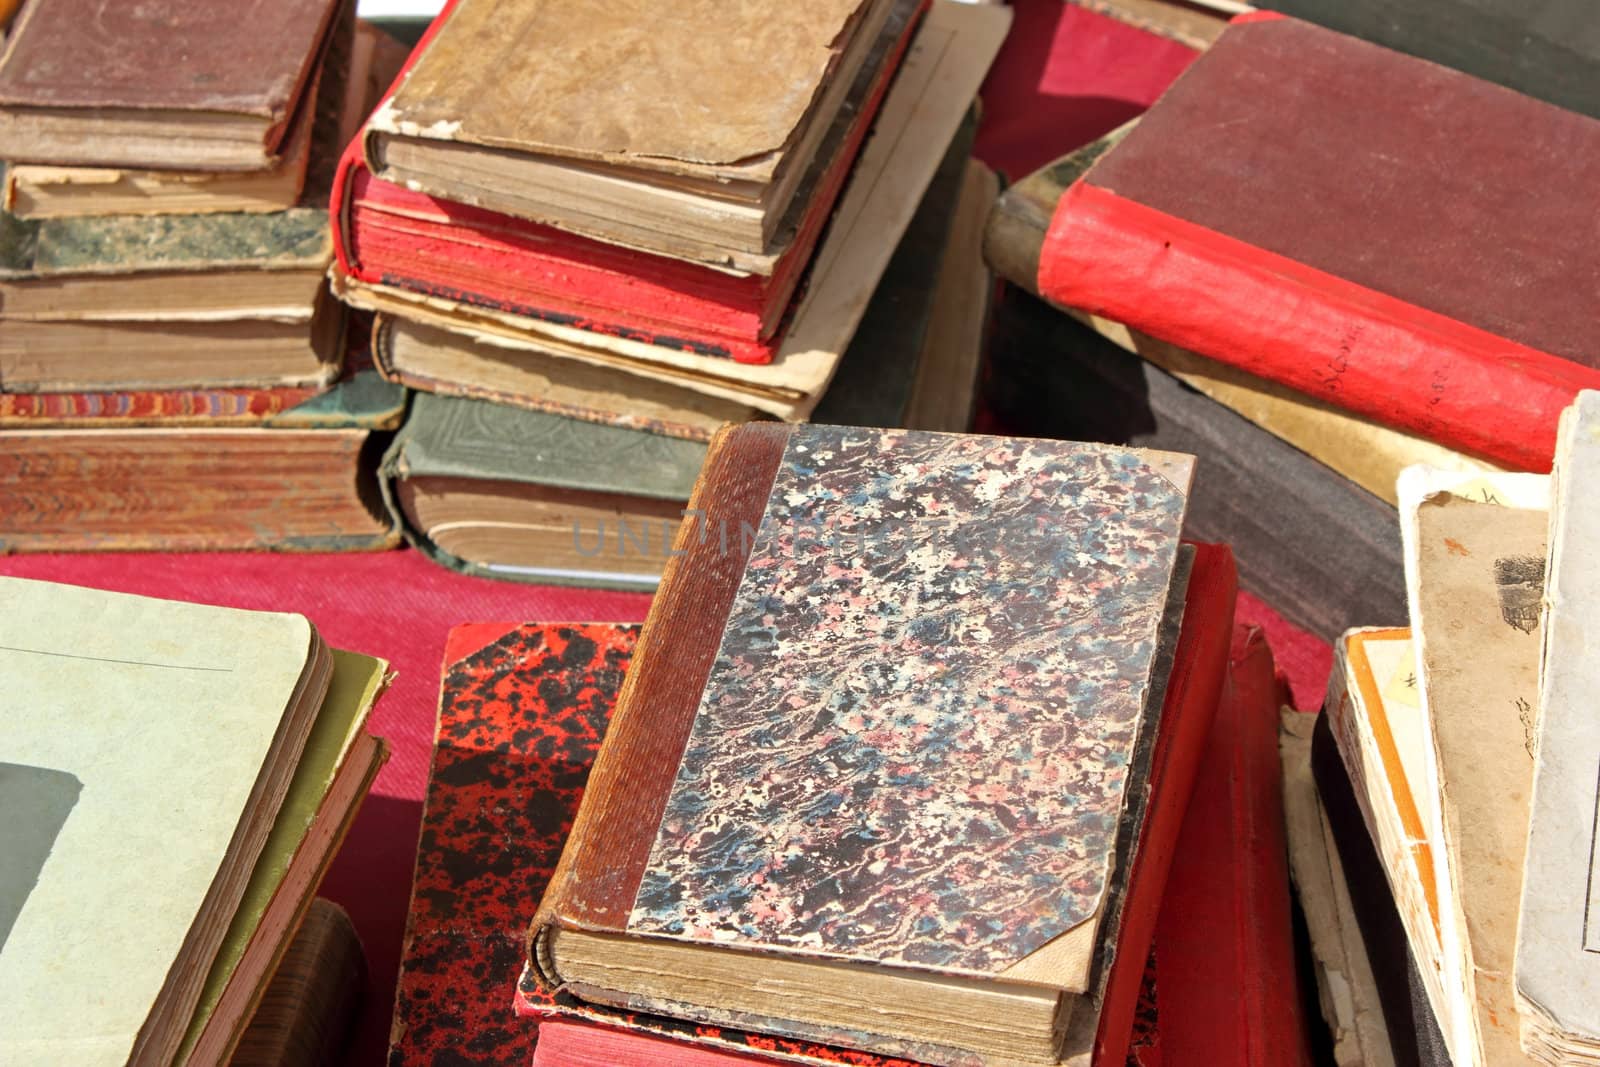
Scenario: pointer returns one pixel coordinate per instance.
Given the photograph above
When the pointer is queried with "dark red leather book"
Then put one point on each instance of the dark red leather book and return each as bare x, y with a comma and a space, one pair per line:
388, 234
1393, 237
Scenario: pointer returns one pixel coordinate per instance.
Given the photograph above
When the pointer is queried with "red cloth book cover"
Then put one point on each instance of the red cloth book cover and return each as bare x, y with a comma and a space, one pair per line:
1390, 236
389, 235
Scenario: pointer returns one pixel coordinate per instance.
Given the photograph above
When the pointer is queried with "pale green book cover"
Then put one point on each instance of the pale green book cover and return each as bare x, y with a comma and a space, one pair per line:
133, 733
357, 682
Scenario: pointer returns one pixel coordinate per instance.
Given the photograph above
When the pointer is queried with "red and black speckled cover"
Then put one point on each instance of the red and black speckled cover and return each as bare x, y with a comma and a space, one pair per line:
522, 709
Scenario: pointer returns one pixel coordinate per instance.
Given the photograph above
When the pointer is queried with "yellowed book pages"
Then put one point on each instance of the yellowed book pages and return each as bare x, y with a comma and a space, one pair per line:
1366, 452
931, 93
356, 684
141, 740
1374, 709
1474, 555
1346, 989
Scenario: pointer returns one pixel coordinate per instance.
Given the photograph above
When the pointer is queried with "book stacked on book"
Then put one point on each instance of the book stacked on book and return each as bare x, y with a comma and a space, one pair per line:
1276, 235
625, 257
1035, 892
167, 337
1460, 785
924, 602
180, 776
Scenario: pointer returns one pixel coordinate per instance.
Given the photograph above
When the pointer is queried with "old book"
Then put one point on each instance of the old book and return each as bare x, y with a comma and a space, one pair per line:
78, 84
178, 301
1341, 198
1347, 988
877, 380
1227, 980
1374, 710
901, 368
149, 748
522, 709
1196, 23
386, 232
1127, 1029
924, 108
361, 398
1475, 559
300, 486
1320, 550
1044, 950
305, 1015
332, 778
490, 489
516, 132
1549, 50
1367, 452
1557, 978
455, 360
38, 191
1410, 1032
944, 393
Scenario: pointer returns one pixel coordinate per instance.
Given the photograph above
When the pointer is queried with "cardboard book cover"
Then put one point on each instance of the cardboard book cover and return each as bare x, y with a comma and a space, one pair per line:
522, 709
1290, 168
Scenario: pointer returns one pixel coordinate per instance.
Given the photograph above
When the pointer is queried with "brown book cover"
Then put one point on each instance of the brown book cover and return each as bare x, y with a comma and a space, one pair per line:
872, 577
106, 68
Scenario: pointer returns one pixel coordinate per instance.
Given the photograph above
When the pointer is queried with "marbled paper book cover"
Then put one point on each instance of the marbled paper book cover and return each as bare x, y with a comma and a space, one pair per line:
885, 708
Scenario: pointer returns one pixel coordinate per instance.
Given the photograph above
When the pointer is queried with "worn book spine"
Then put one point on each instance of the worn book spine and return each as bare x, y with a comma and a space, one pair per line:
1367, 452
1402, 364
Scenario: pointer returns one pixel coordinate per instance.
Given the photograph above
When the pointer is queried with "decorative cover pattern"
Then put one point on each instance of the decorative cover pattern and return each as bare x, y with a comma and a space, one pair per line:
521, 713
957, 700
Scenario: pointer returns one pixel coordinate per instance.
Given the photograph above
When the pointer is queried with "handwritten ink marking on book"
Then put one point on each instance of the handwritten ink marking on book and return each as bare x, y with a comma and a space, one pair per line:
1331, 376
1455, 548
124, 662
1530, 732
1519, 582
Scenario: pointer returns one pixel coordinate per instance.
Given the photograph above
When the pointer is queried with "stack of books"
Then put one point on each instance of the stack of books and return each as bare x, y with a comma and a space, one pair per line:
947, 842
1456, 771
1311, 264
173, 368
590, 267
177, 780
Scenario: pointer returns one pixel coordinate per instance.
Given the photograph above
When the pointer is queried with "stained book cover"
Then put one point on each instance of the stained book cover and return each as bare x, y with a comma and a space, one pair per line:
1558, 935
93, 55
937, 547
294, 239
756, 66
1397, 317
